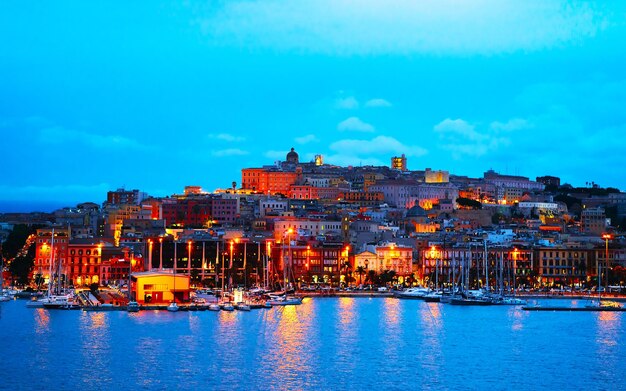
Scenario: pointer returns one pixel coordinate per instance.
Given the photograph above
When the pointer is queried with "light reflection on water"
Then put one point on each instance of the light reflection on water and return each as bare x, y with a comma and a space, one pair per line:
330, 343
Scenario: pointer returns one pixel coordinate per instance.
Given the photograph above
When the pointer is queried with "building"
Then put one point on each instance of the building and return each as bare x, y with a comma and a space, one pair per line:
549, 180
593, 221
121, 196
398, 163
51, 256
159, 287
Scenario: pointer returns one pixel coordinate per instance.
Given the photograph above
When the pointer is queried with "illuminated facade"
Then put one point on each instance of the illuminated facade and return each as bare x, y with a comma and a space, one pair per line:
160, 287
398, 163
46, 252
267, 181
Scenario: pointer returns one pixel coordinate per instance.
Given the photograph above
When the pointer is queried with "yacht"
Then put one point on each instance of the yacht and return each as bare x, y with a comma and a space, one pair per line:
214, 307
227, 307
412, 293
60, 302
276, 300
173, 307
132, 306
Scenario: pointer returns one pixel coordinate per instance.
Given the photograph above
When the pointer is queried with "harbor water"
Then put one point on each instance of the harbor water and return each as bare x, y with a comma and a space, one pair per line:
325, 343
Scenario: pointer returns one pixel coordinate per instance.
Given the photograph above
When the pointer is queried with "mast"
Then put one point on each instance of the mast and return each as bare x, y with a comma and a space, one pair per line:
486, 265
51, 262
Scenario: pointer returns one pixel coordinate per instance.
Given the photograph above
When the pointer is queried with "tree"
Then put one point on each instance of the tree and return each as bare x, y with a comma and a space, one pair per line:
467, 203
20, 269
387, 276
38, 280
360, 271
372, 276
16, 239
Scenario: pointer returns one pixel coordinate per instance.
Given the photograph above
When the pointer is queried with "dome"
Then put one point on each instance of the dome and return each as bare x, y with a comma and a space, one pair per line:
292, 157
416, 211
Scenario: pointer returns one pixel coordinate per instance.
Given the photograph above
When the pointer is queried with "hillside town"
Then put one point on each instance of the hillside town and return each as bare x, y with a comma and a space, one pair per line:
312, 225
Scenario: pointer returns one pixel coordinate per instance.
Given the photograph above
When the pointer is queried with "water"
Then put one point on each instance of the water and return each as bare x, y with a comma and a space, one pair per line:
329, 343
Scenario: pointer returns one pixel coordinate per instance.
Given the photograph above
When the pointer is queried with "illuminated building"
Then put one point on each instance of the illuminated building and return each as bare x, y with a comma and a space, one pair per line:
45, 251
398, 163
160, 287
121, 196
593, 221
437, 176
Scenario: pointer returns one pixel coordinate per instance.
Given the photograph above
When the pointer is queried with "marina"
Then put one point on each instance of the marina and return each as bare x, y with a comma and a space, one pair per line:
363, 340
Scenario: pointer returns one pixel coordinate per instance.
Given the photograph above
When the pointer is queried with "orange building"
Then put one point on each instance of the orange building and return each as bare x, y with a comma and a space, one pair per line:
267, 180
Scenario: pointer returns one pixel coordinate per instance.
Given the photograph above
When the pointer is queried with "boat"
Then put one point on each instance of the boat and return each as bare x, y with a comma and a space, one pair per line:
132, 306
214, 307
242, 307
412, 293
433, 297
60, 303
173, 307
5, 297
459, 300
204, 296
281, 300
227, 307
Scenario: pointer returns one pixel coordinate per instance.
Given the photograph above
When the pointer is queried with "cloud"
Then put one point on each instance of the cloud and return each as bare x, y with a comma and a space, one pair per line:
511, 125
370, 27
226, 137
463, 139
354, 124
377, 103
349, 103
60, 135
309, 138
229, 152
379, 145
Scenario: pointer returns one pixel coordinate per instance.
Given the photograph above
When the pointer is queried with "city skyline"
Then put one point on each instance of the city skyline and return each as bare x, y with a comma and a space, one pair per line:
159, 96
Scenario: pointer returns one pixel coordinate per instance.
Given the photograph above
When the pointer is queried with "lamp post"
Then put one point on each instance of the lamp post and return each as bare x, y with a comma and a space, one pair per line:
189, 243
150, 252
606, 238
230, 266
160, 253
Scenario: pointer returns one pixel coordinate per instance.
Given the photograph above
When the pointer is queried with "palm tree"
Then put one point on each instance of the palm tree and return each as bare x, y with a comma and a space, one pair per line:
372, 276
360, 271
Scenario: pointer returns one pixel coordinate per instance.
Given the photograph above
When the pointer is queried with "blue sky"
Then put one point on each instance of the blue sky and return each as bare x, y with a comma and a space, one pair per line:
158, 95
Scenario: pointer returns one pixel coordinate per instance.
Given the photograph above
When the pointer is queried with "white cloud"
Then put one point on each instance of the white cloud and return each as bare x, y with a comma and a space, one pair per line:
309, 138
511, 125
379, 145
61, 135
226, 137
354, 124
229, 152
349, 27
377, 103
349, 103
463, 139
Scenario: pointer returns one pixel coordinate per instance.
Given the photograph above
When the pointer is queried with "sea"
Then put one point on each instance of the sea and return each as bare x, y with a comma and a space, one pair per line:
368, 343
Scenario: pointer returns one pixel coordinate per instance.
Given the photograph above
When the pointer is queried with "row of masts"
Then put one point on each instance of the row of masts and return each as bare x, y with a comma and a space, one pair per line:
465, 264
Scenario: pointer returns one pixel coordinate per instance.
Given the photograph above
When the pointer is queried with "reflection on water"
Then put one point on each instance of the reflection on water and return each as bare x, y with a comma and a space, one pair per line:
42, 320
329, 343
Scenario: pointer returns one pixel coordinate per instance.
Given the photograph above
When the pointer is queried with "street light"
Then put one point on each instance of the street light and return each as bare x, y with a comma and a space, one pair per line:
189, 257
606, 238
160, 253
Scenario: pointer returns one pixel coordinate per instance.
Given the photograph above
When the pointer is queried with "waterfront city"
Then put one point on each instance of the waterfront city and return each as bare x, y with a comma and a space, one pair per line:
314, 195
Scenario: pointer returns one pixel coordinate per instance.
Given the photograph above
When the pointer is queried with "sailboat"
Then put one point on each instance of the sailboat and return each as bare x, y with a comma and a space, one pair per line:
173, 307
283, 298
3, 296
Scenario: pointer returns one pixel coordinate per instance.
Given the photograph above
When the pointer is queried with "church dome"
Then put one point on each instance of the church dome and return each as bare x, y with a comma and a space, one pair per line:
292, 157
416, 211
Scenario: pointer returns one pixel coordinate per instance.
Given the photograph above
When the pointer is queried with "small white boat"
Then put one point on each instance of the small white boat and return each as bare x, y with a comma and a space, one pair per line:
5, 297
284, 300
242, 307
173, 307
214, 307
228, 307
412, 293
132, 306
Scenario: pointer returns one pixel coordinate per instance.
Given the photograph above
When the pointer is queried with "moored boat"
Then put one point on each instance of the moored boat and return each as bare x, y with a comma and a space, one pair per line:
132, 306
